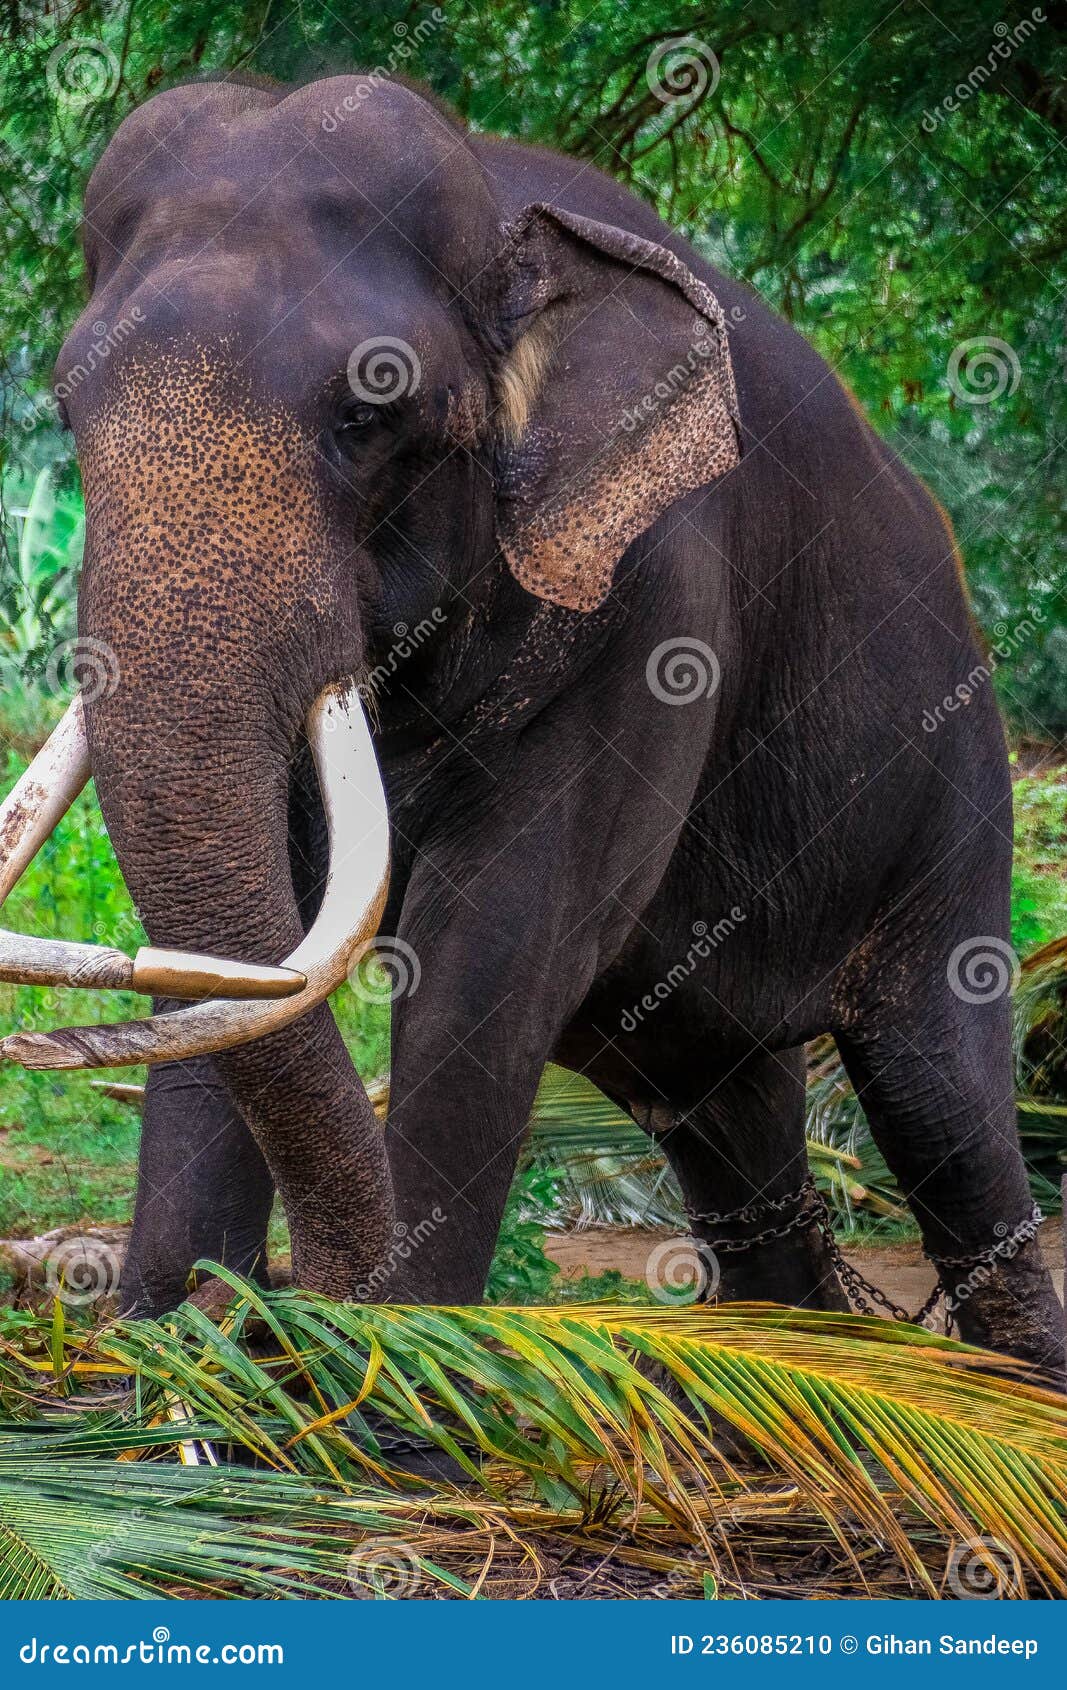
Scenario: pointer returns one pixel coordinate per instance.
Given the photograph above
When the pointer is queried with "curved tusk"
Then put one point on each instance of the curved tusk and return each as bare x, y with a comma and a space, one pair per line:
347, 921
41, 797
29, 814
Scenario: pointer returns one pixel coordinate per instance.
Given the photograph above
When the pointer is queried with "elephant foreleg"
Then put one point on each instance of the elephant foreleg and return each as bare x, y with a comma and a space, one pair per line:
469, 1048
203, 1189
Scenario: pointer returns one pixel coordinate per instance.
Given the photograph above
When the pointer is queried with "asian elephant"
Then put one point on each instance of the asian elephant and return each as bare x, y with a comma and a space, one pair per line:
644, 619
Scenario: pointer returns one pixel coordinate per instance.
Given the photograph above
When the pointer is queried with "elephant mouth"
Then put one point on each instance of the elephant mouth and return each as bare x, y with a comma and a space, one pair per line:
239, 1001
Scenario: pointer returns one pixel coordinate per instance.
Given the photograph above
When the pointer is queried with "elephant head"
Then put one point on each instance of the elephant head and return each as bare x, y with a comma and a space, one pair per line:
326, 382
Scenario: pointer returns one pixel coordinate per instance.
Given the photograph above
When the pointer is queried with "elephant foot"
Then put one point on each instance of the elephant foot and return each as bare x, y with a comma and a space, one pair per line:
156, 1285
1007, 1303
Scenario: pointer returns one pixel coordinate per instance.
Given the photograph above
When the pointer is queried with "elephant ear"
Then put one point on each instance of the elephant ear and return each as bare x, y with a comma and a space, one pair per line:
617, 397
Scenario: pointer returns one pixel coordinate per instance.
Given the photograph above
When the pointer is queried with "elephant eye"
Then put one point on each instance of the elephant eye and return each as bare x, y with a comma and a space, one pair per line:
356, 419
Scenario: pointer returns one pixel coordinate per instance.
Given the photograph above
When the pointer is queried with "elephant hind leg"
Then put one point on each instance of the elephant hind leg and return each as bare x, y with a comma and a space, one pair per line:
933, 1073
739, 1157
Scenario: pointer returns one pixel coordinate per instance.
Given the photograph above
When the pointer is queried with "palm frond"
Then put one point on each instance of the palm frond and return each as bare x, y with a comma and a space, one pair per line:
883, 1433
74, 1526
608, 1172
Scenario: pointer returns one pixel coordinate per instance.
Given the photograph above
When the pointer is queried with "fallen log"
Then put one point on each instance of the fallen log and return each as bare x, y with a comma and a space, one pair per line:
79, 1264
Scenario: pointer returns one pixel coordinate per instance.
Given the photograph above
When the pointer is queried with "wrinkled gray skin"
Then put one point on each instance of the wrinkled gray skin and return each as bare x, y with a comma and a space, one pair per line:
546, 510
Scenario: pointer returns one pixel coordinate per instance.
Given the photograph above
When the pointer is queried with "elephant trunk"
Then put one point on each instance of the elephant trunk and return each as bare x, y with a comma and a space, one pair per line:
198, 812
217, 613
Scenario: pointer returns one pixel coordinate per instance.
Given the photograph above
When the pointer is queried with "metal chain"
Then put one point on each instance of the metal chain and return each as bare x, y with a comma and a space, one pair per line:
752, 1211
812, 1211
861, 1294
985, 1258
728, 1246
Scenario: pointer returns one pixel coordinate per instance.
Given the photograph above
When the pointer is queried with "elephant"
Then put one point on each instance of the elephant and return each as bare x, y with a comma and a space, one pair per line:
480, 569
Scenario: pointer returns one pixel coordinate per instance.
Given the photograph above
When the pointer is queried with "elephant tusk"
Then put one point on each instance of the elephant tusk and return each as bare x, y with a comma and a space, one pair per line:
36, 803
356, 815
42, 796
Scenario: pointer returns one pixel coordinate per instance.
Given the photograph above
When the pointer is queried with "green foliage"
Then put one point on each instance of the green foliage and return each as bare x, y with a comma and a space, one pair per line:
49, 553
521, 1272
824, 153
608, 1287
37, 598
1039, 872
67, 1152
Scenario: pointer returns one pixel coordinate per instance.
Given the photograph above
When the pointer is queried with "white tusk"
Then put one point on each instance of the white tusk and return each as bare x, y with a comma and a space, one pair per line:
42, 796
28, 816
356, 885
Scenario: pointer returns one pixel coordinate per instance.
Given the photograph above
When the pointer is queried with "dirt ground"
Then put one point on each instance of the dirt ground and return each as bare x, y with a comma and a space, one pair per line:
900, 1270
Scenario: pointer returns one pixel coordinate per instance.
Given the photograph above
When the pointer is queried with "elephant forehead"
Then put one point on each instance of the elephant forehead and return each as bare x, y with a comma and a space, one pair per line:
345, 155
